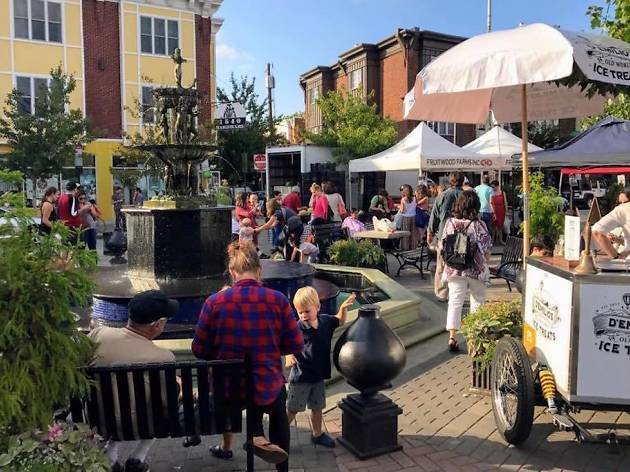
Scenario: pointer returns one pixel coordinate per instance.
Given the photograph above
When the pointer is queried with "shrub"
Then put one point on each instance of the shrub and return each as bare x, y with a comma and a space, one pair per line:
41, 347
483, 328
63, 448
545, 209
356, 253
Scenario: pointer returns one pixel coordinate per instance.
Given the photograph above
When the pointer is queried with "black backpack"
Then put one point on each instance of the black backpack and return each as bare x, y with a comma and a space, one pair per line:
459, 249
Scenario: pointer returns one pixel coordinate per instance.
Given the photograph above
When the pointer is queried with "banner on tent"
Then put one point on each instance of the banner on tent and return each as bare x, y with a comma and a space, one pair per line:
484, 163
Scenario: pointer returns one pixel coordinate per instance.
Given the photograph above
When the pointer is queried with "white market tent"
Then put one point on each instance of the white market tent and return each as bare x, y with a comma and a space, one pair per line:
500, 145
423, 150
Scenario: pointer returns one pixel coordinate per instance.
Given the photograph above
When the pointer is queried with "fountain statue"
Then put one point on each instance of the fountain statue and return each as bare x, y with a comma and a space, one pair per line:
176, 109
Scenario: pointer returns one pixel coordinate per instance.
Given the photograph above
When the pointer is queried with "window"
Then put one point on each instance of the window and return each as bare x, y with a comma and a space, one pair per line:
446, 130
158, 36
148, 112
356, 79
37, 19
31, 89
313, 95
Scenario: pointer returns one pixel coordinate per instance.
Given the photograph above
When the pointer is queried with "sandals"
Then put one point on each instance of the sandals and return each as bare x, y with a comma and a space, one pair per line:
453, 345
267, 451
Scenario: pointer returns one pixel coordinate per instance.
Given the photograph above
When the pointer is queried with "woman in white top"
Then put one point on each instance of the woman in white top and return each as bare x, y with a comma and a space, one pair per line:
335, 201
407, 208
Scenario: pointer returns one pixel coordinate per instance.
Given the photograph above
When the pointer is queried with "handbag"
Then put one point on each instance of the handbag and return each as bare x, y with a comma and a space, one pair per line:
398, 220
422, 218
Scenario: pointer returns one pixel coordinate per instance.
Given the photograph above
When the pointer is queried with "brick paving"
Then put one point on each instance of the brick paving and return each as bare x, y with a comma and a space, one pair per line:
443, 428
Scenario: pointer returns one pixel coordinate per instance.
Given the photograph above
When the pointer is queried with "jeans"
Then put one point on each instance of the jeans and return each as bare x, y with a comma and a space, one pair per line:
486, 217
89, 238
279, 432
458, 288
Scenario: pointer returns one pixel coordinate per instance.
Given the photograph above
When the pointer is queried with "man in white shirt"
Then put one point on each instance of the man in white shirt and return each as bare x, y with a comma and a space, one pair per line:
133, 344
619, 217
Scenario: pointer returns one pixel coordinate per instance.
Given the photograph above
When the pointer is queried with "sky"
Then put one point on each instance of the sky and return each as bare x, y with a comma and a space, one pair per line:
297, 35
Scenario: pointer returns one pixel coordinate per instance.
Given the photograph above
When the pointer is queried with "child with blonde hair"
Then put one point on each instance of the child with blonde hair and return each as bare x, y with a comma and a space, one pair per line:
312, 367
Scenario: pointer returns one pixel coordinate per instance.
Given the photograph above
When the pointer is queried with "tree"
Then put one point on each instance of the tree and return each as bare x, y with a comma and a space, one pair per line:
238, 146
44, 141
617, 27
351, 125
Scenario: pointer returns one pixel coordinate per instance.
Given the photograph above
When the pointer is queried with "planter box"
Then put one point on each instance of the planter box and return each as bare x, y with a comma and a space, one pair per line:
480, 379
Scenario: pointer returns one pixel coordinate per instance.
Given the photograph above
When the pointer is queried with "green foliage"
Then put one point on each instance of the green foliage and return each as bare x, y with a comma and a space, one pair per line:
619, 26
238, 146
540, 133
618, 107
43, 142
40, 345
483, 328
355, 253
64, 448
351, 126
545, 204
223, 195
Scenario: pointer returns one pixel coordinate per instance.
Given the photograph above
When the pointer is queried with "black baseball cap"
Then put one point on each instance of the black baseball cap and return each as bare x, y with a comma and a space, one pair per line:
147, 307
71, 186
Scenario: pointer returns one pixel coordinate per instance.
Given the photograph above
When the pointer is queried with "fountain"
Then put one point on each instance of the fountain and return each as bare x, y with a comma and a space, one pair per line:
177, 244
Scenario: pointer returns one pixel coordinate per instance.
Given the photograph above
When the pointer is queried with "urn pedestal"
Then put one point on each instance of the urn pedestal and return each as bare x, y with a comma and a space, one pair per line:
369, 355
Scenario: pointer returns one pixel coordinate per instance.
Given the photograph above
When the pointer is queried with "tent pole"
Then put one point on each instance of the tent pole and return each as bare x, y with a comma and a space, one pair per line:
525, 183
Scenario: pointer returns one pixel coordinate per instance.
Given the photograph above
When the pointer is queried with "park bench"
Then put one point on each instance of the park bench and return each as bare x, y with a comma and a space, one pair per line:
509, 269
326, 234
148, 399
412, 257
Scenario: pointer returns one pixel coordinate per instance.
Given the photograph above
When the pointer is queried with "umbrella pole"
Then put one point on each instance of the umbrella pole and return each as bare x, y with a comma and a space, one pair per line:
525, 183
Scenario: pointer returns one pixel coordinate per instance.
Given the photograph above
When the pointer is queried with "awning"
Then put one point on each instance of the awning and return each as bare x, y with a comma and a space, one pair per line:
595, 170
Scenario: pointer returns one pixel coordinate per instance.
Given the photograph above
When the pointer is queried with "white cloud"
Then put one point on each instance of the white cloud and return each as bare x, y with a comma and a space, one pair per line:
229, 53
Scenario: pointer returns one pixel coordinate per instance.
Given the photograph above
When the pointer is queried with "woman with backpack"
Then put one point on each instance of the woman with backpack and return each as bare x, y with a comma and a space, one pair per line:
335, 201
466, 270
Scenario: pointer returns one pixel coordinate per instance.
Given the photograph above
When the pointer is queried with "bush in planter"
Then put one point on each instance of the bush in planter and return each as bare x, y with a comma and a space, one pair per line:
62, 448
41, 348
355, 253
483, 328
545, 209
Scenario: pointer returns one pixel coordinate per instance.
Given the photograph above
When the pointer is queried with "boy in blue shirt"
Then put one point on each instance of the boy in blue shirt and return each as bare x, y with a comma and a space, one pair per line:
312, 367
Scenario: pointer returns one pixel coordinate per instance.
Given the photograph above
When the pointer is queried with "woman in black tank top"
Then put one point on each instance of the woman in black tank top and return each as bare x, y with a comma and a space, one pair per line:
47, 210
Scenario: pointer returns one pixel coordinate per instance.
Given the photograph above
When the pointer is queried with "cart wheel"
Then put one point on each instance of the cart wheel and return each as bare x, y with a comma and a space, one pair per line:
512, 385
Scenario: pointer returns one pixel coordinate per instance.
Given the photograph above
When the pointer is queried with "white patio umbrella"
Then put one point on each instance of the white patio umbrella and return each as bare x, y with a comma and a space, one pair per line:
508, 73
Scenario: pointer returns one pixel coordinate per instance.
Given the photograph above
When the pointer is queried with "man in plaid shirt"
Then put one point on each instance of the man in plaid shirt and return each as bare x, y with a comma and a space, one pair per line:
249, 318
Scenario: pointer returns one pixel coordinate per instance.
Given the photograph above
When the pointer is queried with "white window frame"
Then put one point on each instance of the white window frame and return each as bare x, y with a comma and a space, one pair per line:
47, 22
443, 128
355, 79
32, 79
142, 105
313, 95
166, 35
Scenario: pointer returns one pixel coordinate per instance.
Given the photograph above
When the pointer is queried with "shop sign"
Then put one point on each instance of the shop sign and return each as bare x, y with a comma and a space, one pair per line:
230, 115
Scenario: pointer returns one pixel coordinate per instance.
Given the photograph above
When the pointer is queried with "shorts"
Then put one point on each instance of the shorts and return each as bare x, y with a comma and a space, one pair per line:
301, 395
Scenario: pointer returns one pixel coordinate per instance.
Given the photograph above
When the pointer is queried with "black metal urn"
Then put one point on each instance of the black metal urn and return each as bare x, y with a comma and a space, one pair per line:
369, 355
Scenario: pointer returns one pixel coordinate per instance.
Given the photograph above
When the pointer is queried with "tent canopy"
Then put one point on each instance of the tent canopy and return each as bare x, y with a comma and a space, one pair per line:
499, 144
423, 150
606, 143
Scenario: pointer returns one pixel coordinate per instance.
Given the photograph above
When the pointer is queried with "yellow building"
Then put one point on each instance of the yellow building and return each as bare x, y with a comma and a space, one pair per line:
115, 63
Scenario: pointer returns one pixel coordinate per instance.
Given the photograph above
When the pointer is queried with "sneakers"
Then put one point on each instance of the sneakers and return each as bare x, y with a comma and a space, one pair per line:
220, 453
117, 467
323, 440
268, 451
136, 465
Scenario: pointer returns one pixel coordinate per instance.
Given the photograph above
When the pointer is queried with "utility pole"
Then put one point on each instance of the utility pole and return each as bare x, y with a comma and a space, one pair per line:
270, 83
489, 24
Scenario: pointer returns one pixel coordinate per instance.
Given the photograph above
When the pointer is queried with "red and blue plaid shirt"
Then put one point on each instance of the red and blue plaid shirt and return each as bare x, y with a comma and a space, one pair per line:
249, 318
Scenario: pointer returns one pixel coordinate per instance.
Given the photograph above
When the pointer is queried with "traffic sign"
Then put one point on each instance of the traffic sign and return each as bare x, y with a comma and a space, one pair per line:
260, 162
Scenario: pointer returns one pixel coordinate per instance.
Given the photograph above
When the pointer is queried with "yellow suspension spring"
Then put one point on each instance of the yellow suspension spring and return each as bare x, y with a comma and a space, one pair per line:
548, 384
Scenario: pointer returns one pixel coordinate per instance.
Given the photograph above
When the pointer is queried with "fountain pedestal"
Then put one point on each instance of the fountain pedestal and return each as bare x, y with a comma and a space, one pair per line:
170, 246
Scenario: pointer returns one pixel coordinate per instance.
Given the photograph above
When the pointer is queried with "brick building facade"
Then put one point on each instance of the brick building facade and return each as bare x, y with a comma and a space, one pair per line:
388, 69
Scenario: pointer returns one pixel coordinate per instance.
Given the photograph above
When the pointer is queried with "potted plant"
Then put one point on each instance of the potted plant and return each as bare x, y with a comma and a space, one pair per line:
545, 209
63, 447
42, 278
483, 329
350, 252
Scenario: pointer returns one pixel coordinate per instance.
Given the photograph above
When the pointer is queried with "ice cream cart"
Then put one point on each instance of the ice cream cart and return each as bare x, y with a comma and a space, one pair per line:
575, 352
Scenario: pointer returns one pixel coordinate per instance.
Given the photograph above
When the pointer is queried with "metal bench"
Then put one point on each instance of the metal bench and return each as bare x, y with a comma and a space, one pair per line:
411, 257
147, 397
325, 235
509, 269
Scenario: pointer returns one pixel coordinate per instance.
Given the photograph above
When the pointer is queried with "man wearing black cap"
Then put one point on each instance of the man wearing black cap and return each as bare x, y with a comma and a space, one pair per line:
133, 344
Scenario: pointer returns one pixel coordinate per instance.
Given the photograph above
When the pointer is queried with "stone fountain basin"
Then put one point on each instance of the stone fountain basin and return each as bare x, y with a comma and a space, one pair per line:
400, 310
